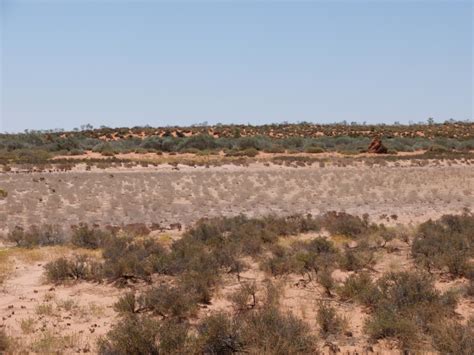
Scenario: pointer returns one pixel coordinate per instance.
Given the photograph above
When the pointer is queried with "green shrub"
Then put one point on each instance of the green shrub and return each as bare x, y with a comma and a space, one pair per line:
128, 258
270, 331
445, 243
134, 334
406, 307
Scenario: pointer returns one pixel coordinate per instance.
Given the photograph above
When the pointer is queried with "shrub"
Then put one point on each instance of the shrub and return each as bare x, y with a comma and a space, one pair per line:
245, 294
173, 337
219, 334
330, 323
450, 337
3, 194
407, 306
355, 259
445, 243
248, 152
168, 301
269, 331
345, 224
359, 287
132, 335
128, 258
314, 150
87, 237
78, 268
37, 236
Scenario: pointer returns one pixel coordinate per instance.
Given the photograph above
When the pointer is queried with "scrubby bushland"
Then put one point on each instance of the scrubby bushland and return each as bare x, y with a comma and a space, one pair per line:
330, 323
359, 287
446, 244
314, 258
264, 329
78, 268
132, 335
88, 237
451, 337
406, 306
357, 258
37, 236
345, 224
128, 258
165, 301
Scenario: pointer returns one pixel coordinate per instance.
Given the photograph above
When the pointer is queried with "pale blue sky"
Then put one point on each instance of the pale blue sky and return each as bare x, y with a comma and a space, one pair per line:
125, 63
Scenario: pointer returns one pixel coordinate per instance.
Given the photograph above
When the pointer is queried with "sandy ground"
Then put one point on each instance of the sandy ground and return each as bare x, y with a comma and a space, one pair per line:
165, 195
42, 316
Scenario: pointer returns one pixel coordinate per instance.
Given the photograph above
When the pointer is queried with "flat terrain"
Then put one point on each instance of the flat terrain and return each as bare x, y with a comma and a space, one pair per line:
165, 195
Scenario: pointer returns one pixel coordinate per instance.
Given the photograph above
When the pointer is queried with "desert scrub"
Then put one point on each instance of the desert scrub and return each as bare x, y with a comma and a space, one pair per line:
451, 337
79, 267
37, 236
88, 237
445, 244
3, 194
330, 323
348, 225
134, 334
406, 307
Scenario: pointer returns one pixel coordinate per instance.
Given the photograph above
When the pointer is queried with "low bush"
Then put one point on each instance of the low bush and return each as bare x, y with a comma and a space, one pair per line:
445, 244
169, 301
406, 307
134, 334
330, 323
245, 297
270, 331
37, 236
219, 334
88, 237
78, 268
128, 258
342, 223
451, 337
359, 287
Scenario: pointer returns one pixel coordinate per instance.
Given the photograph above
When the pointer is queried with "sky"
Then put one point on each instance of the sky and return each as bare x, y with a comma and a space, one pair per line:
130, 63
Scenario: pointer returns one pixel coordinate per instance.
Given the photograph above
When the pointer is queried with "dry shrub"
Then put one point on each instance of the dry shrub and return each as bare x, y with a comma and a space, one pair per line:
89, 237
37, 236
80, 267
345, 224
451, 337
330, 323
134, 334
446, 243
245, 297
406, 307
